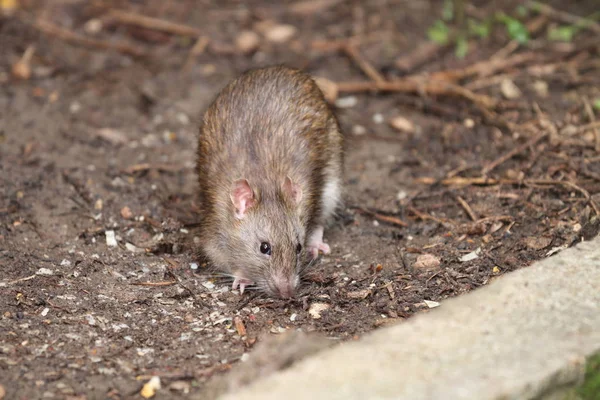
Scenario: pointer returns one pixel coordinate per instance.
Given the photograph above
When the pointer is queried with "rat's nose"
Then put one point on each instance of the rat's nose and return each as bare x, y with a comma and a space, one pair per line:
285, 287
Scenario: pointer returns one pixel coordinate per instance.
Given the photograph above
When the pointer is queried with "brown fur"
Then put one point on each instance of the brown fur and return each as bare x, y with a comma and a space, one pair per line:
266, 125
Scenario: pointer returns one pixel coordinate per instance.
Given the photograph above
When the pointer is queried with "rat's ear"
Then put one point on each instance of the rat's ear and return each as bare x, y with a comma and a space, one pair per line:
242, 197
292, 190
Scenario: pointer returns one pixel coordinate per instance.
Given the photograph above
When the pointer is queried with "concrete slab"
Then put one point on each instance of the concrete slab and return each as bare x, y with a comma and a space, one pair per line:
525, 336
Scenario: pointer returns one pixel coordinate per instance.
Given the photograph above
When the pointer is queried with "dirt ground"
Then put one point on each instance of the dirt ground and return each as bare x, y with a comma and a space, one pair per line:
444, 191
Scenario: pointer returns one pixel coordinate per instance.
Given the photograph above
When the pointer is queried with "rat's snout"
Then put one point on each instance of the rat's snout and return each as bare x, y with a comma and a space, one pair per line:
284, 287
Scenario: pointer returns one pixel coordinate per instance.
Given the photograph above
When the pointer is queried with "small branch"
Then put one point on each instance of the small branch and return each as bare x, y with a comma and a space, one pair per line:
590, 113
411, 85
163, 283
75, 38
564, 16
366, 67
27, 278
507, 156
467, 208
131, 18
381, 217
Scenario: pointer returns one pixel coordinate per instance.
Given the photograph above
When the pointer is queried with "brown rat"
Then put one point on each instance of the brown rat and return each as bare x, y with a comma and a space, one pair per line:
270, 159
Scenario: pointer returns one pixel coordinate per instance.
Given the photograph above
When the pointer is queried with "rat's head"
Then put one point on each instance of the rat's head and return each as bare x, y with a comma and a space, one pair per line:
269, 236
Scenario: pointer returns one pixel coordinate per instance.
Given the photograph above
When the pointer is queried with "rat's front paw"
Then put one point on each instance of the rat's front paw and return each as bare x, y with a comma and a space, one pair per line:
314, 248
241, 283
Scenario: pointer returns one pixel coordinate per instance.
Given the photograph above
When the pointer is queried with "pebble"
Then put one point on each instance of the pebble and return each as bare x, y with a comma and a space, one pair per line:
194, 266
378, 118
247, 41
316, 309
402, 124
280, 33
358, 130
44, 271
346, 102
111, 240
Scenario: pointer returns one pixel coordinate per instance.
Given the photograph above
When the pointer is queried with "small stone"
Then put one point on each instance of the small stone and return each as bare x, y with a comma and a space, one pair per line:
346, 102
193, 266
126, 213
45, 312
316, 309
402, 124
111, 240
358, 130
280, 33
93, 26
509, 89
65, 263
99, 204
427, 262
378, 118
209, 285
293, 317
247, 41
469, 123
44, 271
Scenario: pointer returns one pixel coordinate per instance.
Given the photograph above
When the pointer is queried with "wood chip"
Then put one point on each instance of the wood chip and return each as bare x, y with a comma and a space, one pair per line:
239, 326
329, 89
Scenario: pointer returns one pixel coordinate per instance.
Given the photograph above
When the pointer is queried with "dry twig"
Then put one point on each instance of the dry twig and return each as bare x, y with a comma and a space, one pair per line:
354, 54
381, 217
143, 21
422, 85
467, 208
564, 16
507, 156
69, 36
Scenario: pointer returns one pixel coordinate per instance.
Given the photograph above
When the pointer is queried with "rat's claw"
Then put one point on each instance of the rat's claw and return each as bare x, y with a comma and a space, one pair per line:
241, 283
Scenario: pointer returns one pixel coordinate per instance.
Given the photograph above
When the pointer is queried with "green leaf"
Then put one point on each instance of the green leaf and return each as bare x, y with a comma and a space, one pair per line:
522, 11
439, 32
596, 104
481, 29
516, 30
563, 33
448, 10
462, 47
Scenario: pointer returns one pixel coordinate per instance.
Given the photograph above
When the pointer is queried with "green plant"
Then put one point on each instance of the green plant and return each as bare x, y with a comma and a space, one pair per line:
453, 11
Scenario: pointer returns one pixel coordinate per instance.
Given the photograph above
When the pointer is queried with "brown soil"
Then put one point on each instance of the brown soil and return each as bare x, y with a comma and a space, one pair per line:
93, 131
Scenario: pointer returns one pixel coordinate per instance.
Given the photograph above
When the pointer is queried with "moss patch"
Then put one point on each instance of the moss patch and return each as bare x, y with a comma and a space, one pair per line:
590, 389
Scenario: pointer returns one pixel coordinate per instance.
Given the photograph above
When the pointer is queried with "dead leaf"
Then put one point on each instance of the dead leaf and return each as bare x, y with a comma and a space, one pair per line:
316, 309
239, 326
427, 262
126, 212
538, 243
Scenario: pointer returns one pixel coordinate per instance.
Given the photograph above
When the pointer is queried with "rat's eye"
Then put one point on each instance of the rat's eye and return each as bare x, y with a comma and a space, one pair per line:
265, 248
298, 248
